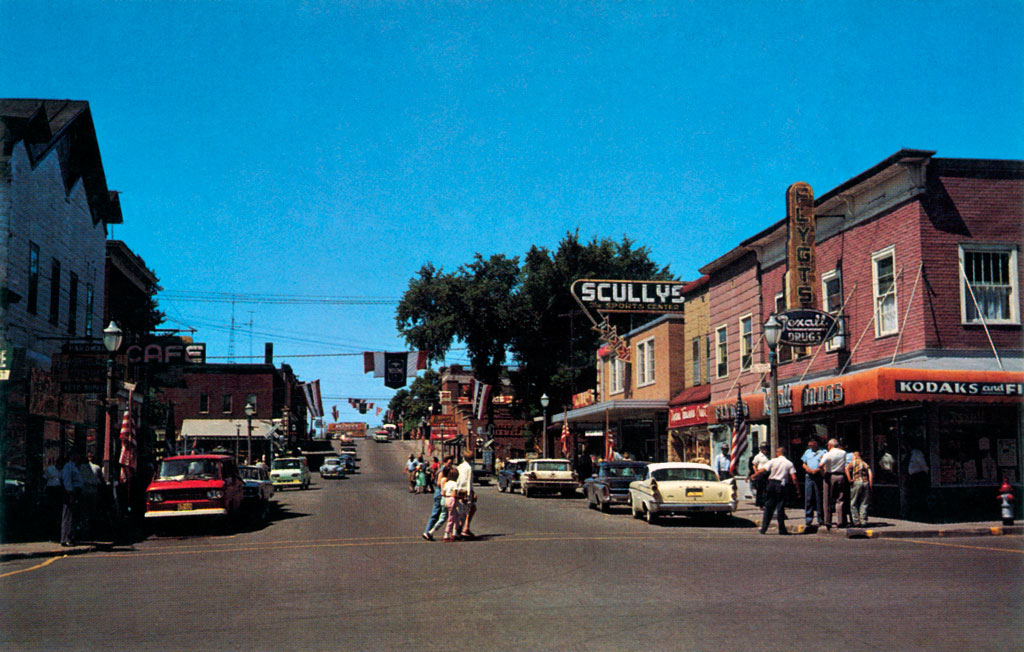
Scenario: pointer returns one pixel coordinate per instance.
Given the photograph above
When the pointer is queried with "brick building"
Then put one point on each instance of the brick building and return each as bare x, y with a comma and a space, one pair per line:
918, 256
454, 420
54, 209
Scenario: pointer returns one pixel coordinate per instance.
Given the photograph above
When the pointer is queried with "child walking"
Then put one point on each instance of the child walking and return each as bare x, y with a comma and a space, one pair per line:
451, 504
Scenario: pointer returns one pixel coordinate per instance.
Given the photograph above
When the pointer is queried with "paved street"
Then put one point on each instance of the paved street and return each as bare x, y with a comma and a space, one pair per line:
342, 566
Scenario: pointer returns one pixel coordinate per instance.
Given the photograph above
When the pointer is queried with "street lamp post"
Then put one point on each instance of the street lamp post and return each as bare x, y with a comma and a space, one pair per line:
250, 410
112, 338
772, 331
544, 400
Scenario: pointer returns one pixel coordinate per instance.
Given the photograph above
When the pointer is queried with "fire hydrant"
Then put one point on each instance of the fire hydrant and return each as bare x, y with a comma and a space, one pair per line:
1006, 502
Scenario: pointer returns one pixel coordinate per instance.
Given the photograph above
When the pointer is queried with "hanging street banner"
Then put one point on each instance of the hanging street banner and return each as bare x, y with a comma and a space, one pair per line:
803, 277
806, 327
629, 296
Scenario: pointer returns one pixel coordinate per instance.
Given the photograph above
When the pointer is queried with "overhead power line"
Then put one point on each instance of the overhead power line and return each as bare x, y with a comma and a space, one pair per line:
191, 296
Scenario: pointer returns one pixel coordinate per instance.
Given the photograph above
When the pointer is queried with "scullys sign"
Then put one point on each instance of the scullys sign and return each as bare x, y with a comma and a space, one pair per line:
629, 296
806, 327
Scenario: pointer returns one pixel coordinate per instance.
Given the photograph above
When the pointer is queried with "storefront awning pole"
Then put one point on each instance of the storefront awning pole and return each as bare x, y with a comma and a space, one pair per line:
977, 308
906, 315
874, 315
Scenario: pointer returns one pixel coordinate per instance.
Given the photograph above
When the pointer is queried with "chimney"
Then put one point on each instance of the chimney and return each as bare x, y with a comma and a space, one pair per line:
268, 353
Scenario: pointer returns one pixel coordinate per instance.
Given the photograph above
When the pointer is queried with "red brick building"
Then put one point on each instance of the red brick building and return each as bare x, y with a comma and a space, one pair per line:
918, 257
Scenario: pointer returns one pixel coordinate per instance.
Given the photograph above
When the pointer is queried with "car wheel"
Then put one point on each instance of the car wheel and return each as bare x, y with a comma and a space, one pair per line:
590, 500
649, 516
636, 512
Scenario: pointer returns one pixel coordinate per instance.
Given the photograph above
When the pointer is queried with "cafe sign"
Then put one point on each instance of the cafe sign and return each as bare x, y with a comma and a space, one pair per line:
806, 327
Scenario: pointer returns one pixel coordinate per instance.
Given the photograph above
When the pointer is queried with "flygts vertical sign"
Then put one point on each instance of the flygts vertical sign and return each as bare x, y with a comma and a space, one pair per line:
803, 277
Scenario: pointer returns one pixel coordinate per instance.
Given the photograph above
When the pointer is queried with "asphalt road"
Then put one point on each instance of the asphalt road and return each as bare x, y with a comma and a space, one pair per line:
342, 566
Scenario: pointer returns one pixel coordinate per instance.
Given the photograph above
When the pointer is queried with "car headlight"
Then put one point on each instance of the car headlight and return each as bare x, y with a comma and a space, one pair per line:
214, 494
155, 497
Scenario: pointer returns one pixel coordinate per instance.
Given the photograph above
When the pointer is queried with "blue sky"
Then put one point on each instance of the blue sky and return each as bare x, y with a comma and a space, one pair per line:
333, 148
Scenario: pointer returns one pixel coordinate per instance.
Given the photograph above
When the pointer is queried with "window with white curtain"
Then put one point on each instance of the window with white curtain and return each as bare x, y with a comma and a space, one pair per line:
883, 276
988, 284
645, 363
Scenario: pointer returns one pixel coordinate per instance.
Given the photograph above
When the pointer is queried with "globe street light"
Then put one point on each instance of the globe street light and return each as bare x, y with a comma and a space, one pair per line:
772, 332
112, 338
544, 400
250, 410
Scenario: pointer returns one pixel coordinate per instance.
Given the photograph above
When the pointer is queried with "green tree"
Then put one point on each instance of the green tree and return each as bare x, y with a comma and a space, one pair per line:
413, 404
525, 314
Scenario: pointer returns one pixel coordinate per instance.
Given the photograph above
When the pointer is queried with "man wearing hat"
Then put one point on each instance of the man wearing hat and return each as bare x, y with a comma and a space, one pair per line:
722, 463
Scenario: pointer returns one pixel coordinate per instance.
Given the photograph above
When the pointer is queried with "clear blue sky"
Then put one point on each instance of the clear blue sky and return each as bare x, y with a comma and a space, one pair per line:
333, 148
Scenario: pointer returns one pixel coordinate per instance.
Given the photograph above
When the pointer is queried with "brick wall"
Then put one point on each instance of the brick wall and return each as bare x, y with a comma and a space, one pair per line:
734, 291
669, 360
697, 325
216, 385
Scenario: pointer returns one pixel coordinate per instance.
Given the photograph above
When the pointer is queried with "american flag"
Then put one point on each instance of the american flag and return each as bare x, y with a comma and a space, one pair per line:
565, 434
128, 456
739, 437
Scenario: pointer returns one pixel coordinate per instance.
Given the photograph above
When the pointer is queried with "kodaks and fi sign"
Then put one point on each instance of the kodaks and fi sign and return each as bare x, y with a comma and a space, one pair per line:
629, 296
946, 388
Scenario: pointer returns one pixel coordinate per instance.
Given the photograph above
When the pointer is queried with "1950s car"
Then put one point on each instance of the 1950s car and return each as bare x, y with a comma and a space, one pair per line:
289, 472
257, 491
332, 467
610, 483
548, 475
508, 476
679, 488
195, 485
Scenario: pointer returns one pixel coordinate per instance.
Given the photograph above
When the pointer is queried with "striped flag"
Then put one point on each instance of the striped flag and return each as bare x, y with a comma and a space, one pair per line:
128, 458
481, 397
739, 437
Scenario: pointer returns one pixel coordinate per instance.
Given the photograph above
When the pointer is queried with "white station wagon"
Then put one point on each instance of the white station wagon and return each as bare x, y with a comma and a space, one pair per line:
679, 488
553, 475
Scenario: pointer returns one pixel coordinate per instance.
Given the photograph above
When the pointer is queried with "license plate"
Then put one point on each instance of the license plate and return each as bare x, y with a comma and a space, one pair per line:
695, 492
184, 507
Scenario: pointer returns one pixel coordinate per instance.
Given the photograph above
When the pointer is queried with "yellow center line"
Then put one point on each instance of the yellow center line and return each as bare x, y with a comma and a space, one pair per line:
36, 567
959, 545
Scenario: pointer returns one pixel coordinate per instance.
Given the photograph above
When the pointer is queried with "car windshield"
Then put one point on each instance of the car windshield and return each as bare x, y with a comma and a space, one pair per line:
623, 471
332, 461
188, 469
250, 473
287, 464
551, 466
675, 475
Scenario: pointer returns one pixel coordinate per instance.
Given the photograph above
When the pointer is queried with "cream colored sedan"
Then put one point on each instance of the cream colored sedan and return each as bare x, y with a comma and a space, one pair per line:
679, 488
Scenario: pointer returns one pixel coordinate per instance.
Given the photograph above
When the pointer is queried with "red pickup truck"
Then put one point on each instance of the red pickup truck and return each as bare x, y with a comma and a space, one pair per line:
195, 485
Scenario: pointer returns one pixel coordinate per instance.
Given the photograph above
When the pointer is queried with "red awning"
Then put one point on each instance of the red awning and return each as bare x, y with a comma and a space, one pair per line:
698, 394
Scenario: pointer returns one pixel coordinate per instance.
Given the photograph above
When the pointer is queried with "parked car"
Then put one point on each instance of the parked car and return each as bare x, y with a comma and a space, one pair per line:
381, 436
553, 475
679, 488
610, 484
195, 485
290, 472
257, 491
508, 477
349, 449
332, 467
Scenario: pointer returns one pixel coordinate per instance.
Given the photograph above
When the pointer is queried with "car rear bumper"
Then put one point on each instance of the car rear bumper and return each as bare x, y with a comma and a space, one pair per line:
688, 508
205, 511
550, 485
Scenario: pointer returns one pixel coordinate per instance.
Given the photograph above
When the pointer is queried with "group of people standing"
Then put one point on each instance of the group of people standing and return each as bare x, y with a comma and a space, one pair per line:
454, 499
837, 486
73, 492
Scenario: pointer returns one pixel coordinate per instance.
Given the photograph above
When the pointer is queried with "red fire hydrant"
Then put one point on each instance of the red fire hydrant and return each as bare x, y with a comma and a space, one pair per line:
1006, 502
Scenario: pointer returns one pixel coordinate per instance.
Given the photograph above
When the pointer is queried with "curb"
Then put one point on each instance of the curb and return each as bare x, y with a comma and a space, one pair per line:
53, 552
1000, 530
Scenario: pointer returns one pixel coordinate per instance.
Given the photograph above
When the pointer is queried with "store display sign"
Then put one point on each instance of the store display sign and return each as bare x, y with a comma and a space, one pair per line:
806, 327
803, 277
629, 296
948, 388
688, 415
583, 399
822, 396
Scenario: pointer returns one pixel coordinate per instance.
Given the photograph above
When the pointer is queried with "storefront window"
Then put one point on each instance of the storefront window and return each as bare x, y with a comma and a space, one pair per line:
896, 435
977, 445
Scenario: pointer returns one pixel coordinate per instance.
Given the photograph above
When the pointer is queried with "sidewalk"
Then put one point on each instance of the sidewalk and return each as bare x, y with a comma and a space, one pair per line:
879, 528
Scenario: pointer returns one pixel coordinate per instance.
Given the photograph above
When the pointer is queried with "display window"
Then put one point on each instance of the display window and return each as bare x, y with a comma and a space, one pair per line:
977, 445
895, 436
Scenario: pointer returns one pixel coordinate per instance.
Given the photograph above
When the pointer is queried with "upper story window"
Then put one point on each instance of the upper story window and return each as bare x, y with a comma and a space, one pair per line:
645, 363
33, 278
618, 375
55, 292
89, 301
988, 284
204, 403
883, 276
784, 352
721, 352
707, 357
695, 359
251, 400
225, 404
746, 342
832, 302
73, 304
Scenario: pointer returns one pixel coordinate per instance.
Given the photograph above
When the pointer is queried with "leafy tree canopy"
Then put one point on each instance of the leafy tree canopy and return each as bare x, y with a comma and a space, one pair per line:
504, 311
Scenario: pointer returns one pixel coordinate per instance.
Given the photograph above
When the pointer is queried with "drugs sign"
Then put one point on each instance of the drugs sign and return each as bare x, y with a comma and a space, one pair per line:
806, 327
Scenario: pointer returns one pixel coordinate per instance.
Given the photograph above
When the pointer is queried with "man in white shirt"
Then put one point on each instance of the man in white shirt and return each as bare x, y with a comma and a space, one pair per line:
464, 486
71, 482
722, 463
780, 471
757, 480
833, 471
